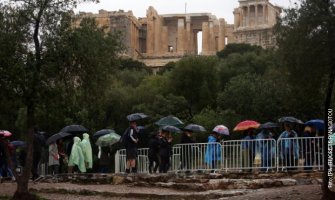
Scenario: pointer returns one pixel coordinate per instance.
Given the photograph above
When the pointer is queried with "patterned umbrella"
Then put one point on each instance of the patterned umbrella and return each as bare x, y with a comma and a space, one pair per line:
221, 129
245, 125
108, 140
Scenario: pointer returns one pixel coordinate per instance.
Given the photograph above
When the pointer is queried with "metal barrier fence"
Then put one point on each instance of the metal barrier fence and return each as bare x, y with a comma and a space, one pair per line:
300, 153
247, 155
198, 156
305, 153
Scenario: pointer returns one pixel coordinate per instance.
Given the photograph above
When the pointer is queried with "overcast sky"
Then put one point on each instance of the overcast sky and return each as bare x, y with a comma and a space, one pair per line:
220, 8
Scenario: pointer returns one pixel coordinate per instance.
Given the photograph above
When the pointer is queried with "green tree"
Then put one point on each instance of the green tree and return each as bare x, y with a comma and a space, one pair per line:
306, 41
249, 62
238, 48
31, 31
255, 97
195, 78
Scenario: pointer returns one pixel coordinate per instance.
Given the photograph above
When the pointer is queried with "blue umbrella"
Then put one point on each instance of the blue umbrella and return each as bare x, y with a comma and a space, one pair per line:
103, 132
136, 116
317, 123
19, 143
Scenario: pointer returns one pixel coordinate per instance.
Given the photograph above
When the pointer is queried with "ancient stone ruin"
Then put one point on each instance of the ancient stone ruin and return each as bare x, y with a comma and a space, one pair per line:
158, 39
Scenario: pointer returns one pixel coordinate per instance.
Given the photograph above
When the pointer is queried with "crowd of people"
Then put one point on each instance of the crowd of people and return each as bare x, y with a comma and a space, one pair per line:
77, 156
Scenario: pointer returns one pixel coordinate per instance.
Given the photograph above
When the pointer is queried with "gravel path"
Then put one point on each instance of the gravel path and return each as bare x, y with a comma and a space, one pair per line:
308, 192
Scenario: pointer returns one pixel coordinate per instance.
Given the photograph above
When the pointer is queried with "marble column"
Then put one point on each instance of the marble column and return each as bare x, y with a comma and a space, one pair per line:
256, 14
222, 34
150, 36
211, 37
158, 31
205, 38
164, 40
248, 16
181, 38
188, 35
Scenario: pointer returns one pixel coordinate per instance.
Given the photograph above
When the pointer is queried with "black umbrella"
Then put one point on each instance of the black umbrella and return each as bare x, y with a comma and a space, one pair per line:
74, 129
171, 129
56, 137
268, 125
103, 132
136, 116
290, 119
195, 128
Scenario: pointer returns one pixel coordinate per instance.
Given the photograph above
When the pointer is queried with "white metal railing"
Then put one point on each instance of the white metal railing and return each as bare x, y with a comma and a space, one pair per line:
249, 154
197, 156
300, 153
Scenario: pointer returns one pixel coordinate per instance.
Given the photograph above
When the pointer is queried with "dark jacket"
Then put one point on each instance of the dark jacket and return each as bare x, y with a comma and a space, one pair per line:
165, 147
130, 142
153, 146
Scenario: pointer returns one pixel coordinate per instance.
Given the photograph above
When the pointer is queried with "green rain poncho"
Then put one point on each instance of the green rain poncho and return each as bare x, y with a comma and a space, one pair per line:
77, 156
87, 150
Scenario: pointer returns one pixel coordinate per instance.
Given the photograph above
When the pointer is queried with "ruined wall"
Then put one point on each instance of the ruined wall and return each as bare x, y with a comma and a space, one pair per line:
160, 38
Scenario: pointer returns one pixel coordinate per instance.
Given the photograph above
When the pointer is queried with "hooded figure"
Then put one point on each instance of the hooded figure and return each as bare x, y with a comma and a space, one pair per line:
87, 150
77, 156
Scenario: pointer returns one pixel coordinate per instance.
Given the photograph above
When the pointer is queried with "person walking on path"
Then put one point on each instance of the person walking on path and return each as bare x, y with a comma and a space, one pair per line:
87, 151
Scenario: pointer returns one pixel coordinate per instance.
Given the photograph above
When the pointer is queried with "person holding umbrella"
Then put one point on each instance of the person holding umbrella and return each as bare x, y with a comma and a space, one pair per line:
289, 148
213, 151
165, 144
308, 147
248, 149
53, 159
131, 147
153, 154
186, 154
266, 147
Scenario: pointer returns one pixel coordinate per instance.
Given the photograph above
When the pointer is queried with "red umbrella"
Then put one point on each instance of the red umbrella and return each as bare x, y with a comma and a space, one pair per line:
245, 125
5, 133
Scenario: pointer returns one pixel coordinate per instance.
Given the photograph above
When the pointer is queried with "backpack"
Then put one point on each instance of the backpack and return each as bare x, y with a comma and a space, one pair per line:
125, 138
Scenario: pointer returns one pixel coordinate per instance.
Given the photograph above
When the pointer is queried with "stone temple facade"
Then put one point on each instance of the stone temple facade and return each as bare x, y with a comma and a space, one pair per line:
254, 21
158, 39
